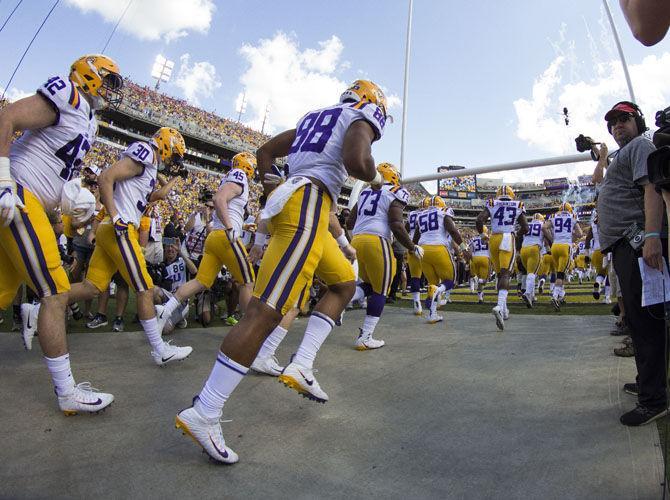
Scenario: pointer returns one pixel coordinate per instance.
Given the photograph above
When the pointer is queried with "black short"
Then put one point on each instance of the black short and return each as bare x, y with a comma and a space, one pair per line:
82, 254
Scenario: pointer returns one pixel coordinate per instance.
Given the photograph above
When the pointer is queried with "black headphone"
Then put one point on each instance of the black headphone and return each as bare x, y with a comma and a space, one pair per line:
639, 117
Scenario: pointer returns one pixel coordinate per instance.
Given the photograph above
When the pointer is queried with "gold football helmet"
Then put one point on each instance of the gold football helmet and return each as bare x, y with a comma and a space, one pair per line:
171, 149
245, 161
365, 90
505, 192
425, 203
99, 77
565, 207
538, 216
389, 173
437, 201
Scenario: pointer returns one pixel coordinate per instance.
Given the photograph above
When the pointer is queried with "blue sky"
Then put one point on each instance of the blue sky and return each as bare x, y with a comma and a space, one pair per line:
488, 79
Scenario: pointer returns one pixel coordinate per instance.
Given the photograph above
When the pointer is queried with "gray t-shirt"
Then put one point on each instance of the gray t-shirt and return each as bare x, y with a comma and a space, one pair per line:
621, 196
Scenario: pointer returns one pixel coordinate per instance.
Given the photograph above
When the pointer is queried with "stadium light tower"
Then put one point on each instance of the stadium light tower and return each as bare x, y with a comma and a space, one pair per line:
241, 105
265, 116
162, 70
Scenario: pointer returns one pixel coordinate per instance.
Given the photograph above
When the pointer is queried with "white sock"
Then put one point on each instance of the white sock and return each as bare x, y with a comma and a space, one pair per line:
472, 284
271, 343
61, 374
358, 294
154, 337
481, 295
600, 280
170, 307
552, 286
502, 299
318, 328
222, 380
561, 292
556, 293
369, 325
530, 284
607, 290
416, 297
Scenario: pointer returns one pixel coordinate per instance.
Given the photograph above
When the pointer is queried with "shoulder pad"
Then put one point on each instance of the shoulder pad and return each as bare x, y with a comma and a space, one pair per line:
237, 176
372, 114
141, 152
61, 92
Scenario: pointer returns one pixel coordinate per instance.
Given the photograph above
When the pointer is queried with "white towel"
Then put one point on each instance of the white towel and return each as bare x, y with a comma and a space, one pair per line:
506, 243
281, 195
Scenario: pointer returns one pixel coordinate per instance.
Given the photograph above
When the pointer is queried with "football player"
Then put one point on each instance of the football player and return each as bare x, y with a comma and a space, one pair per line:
413, 262
59, 127
435, 226
480, 262
592, 244
375, 219
561, 229
504, 212
126, 188
530, 256
327, 145
223, 246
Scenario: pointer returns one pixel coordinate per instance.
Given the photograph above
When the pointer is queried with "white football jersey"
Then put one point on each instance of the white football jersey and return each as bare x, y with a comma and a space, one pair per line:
373, 210
412, 218
131, 196
534, 234
431, 225
581, 248
595, 243
479, 246
504, 214
237, 205
317, 149
247, 235
564, 223
176, 272
42, 160
194, 242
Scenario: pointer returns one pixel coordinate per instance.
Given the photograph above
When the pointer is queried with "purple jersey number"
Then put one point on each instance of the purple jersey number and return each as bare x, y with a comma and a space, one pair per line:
315, 130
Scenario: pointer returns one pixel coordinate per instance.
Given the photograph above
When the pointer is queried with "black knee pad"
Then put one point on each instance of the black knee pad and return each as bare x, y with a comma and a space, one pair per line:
560, 276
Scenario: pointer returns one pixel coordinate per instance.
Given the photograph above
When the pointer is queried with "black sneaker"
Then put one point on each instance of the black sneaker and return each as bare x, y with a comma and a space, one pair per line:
117, 326
642, 415
631, 388
616, 310
596, 291
618, 331
625, 352
98, 321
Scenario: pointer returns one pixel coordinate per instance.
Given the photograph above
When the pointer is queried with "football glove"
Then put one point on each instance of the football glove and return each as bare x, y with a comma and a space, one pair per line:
418, 252
8, 197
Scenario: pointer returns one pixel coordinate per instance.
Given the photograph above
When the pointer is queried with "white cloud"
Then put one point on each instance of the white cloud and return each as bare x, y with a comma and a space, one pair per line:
540, 121
154, 19
14, 94
196, 80
290, 80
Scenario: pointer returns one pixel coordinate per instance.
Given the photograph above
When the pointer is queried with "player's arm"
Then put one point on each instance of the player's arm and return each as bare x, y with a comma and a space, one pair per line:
589, 237
353, 215
648, 19
190, 265
276, 147
548, 232
451, 228
221, 199
577, 233
357, 151
523, 226
164, 190
123, 169
482, 219
397, 225
25, 114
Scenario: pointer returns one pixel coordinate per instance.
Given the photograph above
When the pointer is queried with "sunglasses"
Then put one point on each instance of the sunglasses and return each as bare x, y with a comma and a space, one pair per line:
623, 118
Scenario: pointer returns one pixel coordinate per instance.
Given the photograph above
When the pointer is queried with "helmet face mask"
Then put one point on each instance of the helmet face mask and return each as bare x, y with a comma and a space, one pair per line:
99, 78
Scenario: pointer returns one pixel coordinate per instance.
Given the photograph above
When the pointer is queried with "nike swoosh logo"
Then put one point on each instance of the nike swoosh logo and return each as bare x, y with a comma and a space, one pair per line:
167, 359
94, 403
223, 453
29, 325
309, 382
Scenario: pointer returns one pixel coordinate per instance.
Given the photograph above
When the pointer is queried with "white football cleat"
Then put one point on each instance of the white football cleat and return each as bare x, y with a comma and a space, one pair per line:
366, 342
505, 314
528, 300
418, 310
84, 399
207, 433
498, 314
268, 365
29, 313
171, 353
435, 318
302, 379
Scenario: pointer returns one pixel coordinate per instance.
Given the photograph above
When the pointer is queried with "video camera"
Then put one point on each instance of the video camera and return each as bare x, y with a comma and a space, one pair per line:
206, 197
584, 144
658, 162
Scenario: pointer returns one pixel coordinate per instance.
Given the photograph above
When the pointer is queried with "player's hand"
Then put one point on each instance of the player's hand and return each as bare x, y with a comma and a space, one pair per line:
8, 202
652, 253
467, 255
230, 232
349, 252
418, 252
120, 226
255, 254
273, 179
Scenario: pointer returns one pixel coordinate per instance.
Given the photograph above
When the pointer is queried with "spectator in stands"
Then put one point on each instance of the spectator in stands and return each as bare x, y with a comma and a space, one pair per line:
628, 199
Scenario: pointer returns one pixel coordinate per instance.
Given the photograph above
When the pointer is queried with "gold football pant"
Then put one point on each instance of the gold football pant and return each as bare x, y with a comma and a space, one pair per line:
376, 262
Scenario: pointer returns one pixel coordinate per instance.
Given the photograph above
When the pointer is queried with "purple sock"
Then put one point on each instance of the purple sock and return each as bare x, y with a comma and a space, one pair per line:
415, 285
376, 303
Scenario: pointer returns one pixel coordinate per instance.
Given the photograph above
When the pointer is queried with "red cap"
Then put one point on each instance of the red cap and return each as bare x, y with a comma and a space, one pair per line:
622, 107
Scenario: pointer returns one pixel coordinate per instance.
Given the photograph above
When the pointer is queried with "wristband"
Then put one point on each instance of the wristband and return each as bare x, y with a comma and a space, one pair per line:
260, 238
652, 235
116, 218
5, 174
342, 240
378, 179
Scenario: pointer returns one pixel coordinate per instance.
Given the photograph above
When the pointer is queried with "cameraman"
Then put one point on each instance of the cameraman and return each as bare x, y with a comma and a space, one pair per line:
631, 211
